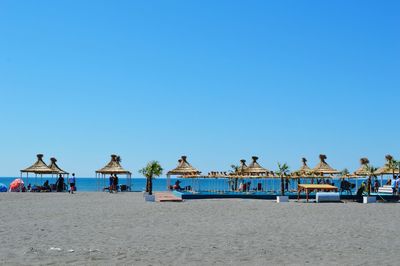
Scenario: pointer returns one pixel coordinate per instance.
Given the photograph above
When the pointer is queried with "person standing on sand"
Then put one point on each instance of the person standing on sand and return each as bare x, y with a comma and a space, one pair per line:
60, 184
394, 184
111, 183
72, 182
115, 183
376, 185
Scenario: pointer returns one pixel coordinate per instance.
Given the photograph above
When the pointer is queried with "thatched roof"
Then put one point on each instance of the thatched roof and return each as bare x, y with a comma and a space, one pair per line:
387, 169
53, 166
255, 168
184, 168
242, 168
363, 170
39, 167
304, 169
113, 167
323, 167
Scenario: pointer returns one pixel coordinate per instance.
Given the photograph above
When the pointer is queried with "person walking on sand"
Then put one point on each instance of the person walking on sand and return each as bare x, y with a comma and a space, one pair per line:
72, 182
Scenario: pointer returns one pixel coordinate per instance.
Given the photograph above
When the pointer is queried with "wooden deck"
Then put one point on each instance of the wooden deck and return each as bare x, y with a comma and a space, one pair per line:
166, 197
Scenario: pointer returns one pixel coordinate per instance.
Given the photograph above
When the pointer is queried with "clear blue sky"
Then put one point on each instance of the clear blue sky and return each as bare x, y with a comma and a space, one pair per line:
217, 81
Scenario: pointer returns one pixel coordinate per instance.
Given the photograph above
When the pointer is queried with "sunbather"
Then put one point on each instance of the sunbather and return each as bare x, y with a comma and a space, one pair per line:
46, 186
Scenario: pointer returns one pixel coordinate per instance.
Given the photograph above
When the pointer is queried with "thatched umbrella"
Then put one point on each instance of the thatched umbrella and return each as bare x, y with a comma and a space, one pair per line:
255, 169
38, 168
239, 171
184, 169
304, 171
323, 167
56, 169
114, 167
389, 168
242, 168
363, 170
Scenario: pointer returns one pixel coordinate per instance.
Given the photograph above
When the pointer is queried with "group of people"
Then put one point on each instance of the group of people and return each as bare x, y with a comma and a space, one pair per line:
177, 186
113, 183
60, 185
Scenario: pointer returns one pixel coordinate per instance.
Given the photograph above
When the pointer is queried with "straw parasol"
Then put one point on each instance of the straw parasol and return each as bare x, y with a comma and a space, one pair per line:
363, 170
39, 167
56, 169
255, 169
389, 167
242, 168
113, 167
323, 167
184, 168
304, 171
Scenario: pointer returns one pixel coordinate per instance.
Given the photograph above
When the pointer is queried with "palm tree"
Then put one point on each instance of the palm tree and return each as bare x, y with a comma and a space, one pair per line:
345, 172
283, 171
391, 163
371, 173
152, 169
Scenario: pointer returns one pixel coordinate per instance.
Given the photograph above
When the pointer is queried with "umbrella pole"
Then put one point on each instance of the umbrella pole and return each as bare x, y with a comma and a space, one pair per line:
168, 182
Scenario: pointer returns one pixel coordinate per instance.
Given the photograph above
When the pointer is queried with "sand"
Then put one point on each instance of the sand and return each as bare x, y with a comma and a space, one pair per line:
122, 229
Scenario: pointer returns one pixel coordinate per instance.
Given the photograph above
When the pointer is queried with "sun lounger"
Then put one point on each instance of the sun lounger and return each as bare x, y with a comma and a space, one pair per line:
385, 190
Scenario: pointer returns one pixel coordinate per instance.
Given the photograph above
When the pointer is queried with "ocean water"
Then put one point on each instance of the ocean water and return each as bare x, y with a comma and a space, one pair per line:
91, 184
88, 184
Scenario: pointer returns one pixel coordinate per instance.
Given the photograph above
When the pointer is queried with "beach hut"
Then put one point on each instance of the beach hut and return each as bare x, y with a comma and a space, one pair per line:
38, 168
113, 167
184, 170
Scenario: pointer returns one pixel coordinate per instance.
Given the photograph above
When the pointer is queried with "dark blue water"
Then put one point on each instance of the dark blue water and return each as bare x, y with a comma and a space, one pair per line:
160, 184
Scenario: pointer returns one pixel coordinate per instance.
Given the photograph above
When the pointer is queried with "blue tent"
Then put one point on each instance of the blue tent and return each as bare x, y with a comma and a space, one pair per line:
3, 188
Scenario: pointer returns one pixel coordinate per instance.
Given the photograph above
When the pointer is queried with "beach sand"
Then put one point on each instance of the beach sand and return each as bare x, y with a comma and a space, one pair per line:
122, 229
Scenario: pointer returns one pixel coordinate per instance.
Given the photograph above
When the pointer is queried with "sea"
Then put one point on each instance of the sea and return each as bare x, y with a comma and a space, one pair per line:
91, 184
